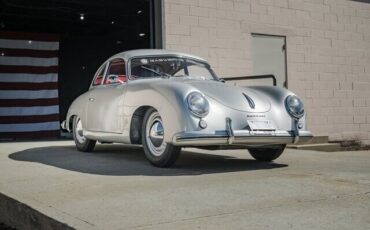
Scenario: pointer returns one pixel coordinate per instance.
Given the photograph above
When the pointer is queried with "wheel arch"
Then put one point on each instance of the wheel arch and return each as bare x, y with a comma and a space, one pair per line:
137, 123
69, 122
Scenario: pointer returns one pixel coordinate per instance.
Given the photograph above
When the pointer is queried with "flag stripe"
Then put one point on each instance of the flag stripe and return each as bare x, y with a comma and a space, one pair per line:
28, 102
28, 44
28, 53
30, 127
24, 77
29, 105
29, 36
36, 134
29, 119
29, 111
28, 69
28, 86
28, 94
28, 61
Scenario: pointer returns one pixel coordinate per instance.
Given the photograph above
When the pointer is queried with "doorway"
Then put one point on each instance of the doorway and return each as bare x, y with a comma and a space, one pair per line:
269, 57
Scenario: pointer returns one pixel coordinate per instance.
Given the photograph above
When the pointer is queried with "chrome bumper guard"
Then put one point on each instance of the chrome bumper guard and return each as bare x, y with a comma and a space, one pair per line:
241, 137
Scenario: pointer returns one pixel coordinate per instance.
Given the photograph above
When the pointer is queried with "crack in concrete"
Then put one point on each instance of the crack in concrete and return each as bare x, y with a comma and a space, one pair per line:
65, 213
77, 218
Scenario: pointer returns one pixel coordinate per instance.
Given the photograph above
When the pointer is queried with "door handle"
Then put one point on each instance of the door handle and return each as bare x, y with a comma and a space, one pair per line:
91, 99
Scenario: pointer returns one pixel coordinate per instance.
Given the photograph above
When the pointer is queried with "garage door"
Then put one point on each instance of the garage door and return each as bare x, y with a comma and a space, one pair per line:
37, 90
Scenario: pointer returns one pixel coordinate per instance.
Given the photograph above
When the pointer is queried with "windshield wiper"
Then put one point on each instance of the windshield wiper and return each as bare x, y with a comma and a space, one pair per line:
161, 74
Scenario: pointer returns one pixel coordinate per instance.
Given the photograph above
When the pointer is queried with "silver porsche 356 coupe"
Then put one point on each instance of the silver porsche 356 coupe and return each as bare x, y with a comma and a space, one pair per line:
166, 100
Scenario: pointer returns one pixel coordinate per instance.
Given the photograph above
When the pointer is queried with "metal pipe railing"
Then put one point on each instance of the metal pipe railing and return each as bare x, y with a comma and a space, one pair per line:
269, 76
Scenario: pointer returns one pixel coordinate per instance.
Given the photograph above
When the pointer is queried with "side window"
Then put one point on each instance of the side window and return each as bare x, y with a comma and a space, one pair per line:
180, 73
116, 72
197, 69
100, 75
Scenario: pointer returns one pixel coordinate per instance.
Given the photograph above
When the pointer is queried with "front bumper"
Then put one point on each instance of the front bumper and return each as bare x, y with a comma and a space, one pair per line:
240, 137
63, 125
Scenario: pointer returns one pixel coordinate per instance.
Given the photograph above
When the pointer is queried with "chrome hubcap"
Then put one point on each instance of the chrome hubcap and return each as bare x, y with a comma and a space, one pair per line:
79, 132
155, 134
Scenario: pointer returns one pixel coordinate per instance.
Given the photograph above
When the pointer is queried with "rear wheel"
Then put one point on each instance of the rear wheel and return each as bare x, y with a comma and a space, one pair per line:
267, 154
157, 151
82, 143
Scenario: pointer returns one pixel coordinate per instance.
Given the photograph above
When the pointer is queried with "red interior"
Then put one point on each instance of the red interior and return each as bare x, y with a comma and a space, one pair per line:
117, 69
98, 80
122, 78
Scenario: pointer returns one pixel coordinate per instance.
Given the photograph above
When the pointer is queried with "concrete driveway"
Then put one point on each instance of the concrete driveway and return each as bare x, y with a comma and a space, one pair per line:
116, 188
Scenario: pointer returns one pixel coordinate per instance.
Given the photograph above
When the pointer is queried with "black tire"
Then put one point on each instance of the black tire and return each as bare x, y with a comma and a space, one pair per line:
267, 154
84, 145
168, 154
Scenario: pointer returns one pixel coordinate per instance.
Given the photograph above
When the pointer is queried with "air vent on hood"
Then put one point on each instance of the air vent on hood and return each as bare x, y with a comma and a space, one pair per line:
250, 101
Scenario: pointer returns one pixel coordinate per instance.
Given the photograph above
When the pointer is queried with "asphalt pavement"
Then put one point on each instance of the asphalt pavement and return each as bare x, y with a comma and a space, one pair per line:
116, 188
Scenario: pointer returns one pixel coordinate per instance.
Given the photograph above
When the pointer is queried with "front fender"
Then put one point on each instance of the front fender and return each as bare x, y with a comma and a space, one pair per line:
78, 107
277, 96
168, 98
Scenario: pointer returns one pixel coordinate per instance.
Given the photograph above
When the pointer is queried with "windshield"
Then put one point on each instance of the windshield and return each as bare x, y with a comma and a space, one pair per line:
166, 67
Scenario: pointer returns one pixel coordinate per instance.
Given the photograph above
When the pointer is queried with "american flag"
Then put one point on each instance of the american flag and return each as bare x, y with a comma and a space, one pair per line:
29, 105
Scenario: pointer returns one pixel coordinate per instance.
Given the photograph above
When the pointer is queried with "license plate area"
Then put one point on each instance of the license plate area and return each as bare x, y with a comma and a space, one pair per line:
261, 125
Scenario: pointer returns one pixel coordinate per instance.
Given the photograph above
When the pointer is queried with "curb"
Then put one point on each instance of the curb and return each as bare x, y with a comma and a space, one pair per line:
21, 216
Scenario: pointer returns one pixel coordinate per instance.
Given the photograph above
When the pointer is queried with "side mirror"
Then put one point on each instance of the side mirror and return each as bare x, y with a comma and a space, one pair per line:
222, 80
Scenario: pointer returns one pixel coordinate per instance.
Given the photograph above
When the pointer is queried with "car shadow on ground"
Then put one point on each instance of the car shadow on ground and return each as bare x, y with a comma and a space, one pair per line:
120, 160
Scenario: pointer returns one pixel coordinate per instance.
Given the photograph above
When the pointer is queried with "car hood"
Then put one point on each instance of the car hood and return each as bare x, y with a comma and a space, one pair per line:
243, 99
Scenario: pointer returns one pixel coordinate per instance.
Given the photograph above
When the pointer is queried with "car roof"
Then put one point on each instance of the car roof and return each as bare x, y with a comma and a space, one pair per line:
153, 52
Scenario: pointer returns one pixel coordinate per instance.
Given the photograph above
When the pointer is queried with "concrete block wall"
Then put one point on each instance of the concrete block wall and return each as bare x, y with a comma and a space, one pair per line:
328, 51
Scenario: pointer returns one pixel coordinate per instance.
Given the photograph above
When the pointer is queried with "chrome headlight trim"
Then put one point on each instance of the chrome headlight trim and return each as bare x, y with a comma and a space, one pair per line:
294, 106
198, 104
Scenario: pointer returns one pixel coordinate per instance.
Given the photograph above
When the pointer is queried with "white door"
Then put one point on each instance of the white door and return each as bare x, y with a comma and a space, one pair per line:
269, 57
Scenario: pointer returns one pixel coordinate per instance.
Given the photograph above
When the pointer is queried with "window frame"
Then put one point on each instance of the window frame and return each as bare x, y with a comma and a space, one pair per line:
104, 65
109, 63
197, 63
207, 65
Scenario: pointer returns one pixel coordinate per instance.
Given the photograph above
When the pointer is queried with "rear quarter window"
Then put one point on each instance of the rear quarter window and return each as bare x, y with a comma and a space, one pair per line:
100, 75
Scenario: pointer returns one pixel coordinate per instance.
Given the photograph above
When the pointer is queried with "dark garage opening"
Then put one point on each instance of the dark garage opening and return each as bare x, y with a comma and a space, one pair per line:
89, 32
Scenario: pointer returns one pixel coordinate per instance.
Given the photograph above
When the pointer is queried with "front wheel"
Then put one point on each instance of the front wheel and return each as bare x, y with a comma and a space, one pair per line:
82, 143
267, 154
157, 151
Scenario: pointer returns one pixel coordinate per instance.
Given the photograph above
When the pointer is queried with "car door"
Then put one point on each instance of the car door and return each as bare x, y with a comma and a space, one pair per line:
106, 99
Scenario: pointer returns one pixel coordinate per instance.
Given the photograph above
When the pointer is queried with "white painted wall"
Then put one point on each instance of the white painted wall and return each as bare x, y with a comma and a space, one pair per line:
328, 51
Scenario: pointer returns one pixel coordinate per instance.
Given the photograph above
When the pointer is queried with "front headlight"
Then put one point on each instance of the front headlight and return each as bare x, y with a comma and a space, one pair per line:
294, 106
198, 104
